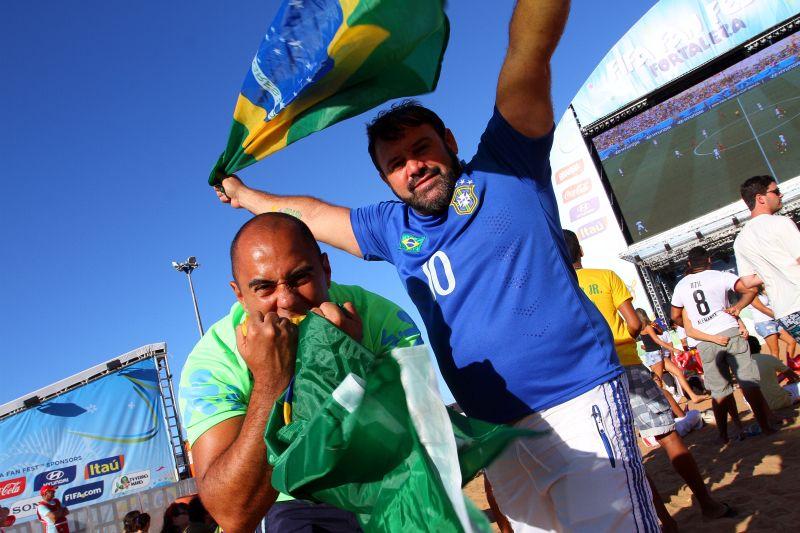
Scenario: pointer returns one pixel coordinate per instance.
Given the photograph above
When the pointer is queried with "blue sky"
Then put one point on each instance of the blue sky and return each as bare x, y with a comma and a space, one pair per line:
111, 117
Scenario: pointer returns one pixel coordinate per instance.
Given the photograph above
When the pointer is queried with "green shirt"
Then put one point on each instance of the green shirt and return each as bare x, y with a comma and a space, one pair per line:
216, 383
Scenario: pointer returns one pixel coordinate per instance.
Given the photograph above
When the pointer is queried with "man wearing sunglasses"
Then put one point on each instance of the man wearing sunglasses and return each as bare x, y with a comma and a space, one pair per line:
245, 361
768, 251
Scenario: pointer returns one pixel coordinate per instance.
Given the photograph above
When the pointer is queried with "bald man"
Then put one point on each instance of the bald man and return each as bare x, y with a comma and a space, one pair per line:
244, 363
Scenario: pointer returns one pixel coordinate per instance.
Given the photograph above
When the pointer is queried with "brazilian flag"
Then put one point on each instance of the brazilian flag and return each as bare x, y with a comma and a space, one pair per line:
322, 61
371, 435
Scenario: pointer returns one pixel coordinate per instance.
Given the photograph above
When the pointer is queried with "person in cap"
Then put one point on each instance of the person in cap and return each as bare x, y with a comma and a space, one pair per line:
50, 512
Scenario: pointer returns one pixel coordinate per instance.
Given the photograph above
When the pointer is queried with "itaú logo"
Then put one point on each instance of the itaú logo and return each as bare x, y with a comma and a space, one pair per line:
576, 191
12, 487
592, 228
101, 467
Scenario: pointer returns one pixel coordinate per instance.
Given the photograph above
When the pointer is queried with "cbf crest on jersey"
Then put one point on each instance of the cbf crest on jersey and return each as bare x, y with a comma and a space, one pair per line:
464, 199
411, 243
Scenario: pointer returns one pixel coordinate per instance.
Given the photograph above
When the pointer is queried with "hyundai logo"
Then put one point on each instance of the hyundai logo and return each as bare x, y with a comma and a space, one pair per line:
55, 475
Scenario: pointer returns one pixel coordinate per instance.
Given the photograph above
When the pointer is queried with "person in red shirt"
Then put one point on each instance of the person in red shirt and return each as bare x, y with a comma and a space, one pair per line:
51, 513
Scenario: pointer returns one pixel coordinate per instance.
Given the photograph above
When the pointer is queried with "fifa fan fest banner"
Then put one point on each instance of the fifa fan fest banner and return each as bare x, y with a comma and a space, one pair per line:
322, 62
584, 208
94, 443
671, 39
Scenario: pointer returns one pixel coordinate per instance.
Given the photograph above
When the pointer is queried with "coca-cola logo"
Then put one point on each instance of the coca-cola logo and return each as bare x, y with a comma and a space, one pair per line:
12, 487
575, 191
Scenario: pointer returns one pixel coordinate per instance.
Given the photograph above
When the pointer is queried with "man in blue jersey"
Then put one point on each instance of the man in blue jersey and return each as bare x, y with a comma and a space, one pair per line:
480, 251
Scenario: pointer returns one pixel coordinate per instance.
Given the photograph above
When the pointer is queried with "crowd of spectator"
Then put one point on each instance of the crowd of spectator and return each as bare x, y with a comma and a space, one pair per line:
672, 108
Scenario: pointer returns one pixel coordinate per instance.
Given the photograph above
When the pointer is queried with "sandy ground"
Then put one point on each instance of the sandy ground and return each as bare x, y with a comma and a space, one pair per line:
759, 477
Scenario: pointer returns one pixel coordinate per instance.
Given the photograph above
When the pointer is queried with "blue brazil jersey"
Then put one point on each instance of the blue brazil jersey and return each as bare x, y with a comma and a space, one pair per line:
511, 329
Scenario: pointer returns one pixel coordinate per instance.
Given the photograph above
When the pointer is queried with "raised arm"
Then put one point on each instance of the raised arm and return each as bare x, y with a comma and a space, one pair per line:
233, 475
523, 89
329, 223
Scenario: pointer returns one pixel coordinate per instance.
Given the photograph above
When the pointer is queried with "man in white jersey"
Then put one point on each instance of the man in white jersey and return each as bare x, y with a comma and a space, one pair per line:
723, 348
768, 251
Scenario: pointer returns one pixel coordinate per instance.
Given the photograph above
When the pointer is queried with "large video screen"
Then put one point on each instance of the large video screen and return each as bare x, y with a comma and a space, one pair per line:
687, 156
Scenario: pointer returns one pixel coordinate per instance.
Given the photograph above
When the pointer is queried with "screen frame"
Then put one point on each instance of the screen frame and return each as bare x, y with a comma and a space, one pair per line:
676, 87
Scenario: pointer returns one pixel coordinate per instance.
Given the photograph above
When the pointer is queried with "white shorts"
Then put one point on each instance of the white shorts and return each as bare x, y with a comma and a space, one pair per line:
585, 475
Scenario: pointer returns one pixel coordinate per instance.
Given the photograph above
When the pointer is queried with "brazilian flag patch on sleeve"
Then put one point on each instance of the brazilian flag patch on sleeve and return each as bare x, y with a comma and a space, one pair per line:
411, 243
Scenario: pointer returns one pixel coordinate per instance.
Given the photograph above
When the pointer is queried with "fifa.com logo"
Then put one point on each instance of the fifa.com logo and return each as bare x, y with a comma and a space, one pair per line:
83, 493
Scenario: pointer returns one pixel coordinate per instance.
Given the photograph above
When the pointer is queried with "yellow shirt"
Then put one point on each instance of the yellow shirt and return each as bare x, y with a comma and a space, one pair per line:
607, 291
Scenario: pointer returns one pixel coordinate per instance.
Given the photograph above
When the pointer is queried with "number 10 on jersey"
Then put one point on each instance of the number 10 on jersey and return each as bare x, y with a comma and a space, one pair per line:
439, 262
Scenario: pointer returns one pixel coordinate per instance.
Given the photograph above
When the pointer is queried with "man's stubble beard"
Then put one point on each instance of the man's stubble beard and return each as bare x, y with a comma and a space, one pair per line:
444, 191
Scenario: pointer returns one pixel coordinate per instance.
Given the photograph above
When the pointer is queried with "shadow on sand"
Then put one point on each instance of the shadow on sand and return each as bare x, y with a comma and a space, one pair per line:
759, 477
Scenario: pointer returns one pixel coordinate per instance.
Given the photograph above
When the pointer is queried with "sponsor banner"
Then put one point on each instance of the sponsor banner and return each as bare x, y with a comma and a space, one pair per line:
570, 171
572, 192
131, 481
83, 440
61, 476
83, 493
595, 227
584, 209
10, 488
671, 39
102, 467
591, 217
26, 507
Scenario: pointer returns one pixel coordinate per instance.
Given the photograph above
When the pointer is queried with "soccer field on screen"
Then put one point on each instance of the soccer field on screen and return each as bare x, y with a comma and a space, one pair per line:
658, 188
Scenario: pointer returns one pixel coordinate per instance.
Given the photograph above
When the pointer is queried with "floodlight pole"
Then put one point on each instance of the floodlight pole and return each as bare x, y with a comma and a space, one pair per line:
187, 267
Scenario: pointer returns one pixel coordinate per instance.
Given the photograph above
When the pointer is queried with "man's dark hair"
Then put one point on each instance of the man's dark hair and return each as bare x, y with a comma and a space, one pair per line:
390, 124
269, 221
135, 521
698, 256
573, 245
753, 186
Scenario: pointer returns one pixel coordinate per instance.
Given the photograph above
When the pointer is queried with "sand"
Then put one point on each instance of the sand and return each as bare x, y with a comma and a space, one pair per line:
759, 477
